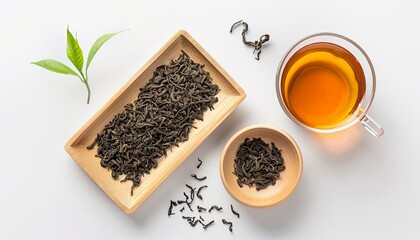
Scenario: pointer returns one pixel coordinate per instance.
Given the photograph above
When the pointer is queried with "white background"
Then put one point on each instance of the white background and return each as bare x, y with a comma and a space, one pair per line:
353, 185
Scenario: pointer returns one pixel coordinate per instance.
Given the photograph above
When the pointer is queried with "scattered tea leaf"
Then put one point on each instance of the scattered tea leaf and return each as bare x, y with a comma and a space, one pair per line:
224, 221
257, 45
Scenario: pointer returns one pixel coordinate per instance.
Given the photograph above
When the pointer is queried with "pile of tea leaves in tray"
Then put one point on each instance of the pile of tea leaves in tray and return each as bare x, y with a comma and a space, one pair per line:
258, 165
162, 116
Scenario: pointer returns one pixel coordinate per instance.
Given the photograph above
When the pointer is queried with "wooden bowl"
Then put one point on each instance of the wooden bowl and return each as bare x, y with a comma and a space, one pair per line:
289, 178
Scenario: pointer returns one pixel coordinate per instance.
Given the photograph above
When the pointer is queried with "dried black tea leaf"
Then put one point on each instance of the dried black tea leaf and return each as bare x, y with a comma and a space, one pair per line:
205, 226
199, 164
198, 178
228, 223
199, 191
257, 45
234, 212
201, 209
173, 204
217, 208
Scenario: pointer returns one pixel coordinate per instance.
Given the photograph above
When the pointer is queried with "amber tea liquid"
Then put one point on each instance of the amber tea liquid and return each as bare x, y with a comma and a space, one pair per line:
322, 85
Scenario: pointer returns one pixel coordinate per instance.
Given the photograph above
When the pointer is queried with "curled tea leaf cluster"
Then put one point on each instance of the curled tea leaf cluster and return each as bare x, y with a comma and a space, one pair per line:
258, 165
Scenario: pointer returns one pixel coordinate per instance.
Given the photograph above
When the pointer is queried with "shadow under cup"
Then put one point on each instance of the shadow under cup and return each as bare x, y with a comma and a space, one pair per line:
326, 83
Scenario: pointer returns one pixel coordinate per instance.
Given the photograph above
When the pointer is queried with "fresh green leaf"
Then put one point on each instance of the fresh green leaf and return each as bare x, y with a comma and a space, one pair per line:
74, 52
98, 44
55, 66
75, 55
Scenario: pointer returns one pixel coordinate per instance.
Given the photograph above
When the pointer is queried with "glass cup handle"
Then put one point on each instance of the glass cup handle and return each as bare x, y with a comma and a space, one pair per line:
372, 126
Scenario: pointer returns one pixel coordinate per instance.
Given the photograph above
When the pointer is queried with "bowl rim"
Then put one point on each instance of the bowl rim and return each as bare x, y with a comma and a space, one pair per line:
249, 128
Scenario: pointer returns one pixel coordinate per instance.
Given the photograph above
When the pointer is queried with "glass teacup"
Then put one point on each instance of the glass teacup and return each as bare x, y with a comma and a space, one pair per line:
326, 83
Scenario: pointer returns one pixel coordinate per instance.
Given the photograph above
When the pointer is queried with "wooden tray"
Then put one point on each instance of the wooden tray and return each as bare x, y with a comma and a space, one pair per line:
230, 95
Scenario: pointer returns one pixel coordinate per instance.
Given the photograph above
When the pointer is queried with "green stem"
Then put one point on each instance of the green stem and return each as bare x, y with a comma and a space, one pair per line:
87, 87
88, 90
85, 81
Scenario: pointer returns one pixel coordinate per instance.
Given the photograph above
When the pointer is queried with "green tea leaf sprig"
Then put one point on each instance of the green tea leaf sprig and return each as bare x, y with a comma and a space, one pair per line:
75, 55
